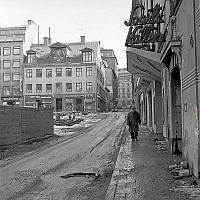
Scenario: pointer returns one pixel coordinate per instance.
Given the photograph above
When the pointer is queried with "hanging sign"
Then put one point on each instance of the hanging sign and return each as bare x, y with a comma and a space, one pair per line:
144, 29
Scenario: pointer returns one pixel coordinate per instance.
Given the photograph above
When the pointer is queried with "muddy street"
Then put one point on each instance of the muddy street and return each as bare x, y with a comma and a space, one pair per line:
77, 168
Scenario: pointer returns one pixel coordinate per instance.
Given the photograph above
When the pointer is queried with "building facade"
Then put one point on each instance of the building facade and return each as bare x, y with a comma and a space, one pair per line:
14, 41
69, 77
111, 70
125, 88
163, 50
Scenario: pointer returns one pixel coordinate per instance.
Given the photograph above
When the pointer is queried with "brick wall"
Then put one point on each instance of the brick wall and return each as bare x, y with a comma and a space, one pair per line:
19, 123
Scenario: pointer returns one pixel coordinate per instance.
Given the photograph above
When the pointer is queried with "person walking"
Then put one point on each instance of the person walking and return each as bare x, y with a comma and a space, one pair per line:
133, 121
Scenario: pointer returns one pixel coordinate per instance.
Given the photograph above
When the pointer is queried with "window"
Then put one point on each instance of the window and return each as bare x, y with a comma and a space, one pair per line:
58, 72
88, 71
89, 86
16, 50
29, 88
48, 88
39, 73
6, 64
15, 90
58, 87
16, 76
78, 71
68, 87
48, 73
6, 51
29, 73
16, 63
78, 87
87, 56
68, 71
128, 95
6, 77
31, 58
38, 88
6, 90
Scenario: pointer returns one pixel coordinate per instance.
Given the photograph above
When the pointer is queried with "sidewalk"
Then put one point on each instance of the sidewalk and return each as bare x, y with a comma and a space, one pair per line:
141, 172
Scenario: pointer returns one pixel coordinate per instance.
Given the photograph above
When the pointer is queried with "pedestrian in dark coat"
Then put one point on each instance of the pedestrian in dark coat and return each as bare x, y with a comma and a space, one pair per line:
133, 121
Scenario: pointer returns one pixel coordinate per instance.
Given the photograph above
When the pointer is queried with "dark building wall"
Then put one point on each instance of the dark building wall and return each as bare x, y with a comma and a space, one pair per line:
18, 124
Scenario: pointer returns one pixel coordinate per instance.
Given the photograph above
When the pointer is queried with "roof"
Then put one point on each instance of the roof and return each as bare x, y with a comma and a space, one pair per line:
59, 45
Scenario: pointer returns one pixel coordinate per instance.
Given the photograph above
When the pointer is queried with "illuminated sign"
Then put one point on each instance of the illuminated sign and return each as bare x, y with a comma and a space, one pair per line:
144, 29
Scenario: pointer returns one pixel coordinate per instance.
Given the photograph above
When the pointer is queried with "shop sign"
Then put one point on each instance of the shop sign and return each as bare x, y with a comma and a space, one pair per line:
144, 29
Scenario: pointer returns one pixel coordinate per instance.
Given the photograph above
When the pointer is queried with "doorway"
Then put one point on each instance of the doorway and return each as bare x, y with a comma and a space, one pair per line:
58, 104
176, 107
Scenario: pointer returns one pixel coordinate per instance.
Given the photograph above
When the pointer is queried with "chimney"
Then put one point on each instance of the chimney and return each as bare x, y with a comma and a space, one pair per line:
82, 39
46, 41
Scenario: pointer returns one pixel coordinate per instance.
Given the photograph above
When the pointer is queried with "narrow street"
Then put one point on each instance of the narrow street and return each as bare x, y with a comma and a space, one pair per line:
79, 167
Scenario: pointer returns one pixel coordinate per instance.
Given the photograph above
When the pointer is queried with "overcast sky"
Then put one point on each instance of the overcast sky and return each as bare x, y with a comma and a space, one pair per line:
98, 20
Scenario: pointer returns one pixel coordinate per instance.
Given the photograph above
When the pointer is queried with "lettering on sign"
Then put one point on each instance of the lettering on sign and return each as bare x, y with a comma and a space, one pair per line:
144, 30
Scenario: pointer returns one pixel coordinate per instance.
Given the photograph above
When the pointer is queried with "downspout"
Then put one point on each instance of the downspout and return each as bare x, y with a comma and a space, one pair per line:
196, 66
196, 61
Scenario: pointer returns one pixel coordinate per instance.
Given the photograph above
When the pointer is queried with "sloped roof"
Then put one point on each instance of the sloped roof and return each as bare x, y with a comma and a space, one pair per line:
59, 45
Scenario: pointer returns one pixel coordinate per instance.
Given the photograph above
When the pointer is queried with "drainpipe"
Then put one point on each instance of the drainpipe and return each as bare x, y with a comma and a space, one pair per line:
196, 63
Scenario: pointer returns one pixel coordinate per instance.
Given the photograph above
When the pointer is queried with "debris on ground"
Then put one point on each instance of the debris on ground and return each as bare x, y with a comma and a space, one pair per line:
161, 145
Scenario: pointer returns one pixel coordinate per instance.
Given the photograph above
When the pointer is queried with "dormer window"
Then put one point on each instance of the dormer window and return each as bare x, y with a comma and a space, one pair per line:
31, 56
87, 55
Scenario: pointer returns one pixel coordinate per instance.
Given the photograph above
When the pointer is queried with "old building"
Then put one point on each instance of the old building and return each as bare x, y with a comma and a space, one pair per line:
14, 41
68, 77
125, 89
163, 50
111, 70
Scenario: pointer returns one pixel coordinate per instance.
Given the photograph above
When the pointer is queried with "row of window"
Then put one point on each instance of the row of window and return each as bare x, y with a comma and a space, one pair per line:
7, 64
58, 87
59, 72
7, 51
8, 90
15, 76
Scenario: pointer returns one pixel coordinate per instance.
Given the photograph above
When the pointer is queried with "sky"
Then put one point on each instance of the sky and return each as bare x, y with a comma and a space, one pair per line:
98, 20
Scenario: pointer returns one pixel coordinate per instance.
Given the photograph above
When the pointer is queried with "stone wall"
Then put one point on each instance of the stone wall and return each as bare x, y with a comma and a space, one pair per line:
18, 124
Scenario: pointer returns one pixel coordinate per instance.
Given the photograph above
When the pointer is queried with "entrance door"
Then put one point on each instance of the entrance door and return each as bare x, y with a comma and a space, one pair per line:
59, 105
176, 104
79, 104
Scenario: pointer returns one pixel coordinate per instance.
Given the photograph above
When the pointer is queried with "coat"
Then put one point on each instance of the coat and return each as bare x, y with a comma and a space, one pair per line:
133, 121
